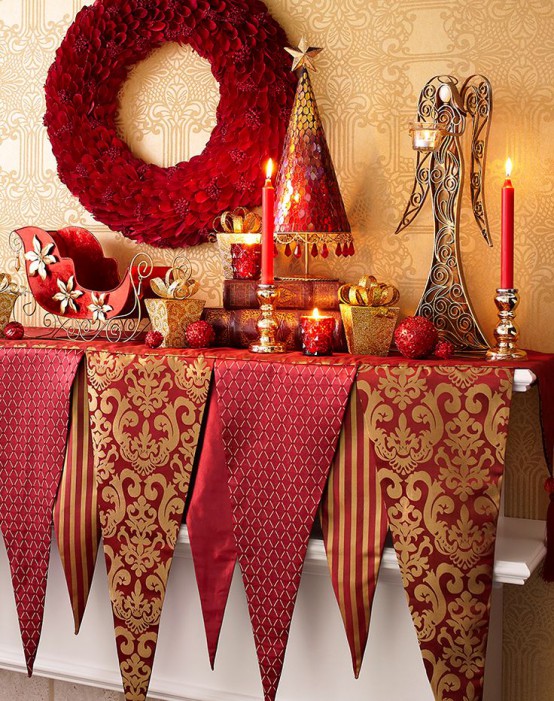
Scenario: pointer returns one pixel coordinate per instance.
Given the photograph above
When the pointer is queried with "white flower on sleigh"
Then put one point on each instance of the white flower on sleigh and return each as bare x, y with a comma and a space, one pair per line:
99, 308
67, 295
40, 257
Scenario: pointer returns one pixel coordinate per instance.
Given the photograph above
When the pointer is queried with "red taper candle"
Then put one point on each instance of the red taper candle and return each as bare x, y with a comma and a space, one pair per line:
507, 242
268, 226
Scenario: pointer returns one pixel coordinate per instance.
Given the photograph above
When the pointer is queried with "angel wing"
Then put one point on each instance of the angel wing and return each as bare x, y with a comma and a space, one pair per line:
419, 193
477, 96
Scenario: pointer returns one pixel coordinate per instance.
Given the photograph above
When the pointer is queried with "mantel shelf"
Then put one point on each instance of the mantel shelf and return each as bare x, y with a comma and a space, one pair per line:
523, 380
520, 549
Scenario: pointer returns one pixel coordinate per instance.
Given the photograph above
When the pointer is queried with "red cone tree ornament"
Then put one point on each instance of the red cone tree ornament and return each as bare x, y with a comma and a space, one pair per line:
309, 207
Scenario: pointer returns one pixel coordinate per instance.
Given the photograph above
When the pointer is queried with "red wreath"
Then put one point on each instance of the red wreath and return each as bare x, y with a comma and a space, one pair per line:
168, 206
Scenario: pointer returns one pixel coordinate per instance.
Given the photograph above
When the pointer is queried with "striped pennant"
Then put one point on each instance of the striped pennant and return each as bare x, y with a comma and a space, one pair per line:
76, 521
354, 524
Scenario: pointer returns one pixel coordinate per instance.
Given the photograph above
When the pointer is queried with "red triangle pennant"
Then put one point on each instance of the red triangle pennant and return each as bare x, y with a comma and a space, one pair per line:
210, 527
280, 426
35, 387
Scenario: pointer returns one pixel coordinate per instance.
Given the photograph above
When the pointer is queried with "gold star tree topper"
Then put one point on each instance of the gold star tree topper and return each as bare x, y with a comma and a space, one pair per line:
303, 55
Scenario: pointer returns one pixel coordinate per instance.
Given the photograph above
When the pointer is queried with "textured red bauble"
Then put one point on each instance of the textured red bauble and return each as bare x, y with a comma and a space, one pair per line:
154, 339
199, 334
416, 337
14, 331
444, 350
172, 206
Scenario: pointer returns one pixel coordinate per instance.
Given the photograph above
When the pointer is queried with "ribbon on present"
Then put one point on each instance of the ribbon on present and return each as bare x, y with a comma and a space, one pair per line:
177, 284
239, 221
7, 286
369, 293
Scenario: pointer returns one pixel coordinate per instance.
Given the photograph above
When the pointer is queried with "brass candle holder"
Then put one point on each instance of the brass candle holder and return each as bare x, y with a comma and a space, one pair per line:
506, 332
267, 325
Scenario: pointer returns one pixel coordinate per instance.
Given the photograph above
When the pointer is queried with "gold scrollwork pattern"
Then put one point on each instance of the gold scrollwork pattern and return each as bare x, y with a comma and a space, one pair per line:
146, 413
439, 438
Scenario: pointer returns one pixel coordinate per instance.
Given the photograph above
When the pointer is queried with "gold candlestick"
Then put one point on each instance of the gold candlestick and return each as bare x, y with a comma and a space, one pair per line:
267, 325
506, 332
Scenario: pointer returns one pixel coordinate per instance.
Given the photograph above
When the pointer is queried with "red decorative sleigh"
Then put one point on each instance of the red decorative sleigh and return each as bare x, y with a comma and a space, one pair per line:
79, 288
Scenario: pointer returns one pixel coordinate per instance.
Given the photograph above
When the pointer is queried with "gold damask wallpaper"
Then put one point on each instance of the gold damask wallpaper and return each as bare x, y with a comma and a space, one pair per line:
379, 54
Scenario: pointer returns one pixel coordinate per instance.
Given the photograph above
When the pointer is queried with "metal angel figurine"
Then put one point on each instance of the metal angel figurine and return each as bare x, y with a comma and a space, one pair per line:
443, 113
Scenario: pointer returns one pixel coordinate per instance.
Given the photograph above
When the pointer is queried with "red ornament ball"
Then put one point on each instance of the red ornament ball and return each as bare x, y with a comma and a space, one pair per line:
549, 485
199, 334
154, 339
14, 331
444, 350
416, 337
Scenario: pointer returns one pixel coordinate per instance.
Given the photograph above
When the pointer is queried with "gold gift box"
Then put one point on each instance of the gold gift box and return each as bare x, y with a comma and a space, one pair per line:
8, 298
368, 330
172, 316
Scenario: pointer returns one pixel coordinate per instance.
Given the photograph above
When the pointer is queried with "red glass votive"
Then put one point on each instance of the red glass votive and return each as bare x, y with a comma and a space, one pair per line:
246, 260
316, 333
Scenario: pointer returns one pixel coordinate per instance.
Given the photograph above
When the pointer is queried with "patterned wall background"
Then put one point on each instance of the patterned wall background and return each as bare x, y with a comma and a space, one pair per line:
379, 54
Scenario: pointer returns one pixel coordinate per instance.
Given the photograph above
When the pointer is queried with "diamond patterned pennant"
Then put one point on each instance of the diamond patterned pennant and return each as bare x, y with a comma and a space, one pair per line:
35, 386
280, 426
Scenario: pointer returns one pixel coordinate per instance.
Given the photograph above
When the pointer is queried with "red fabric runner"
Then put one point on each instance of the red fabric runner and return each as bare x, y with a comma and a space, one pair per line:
280, 426
146, 413
35, 386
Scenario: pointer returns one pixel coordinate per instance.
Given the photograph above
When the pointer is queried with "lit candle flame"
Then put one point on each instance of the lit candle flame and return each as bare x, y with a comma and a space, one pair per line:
269, 169
508, 167
315, 313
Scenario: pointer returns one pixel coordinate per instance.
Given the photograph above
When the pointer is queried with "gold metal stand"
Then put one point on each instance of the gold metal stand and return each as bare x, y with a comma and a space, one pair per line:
267, 325
506, 332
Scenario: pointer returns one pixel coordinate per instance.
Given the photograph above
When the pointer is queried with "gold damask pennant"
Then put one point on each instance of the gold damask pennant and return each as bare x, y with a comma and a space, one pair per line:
439, 438
146, 413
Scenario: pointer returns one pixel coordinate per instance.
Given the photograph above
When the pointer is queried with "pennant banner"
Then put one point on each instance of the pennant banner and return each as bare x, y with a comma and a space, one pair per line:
210, 527
354, 523
280, 427
76, 521
439, 438
35, 388
146, 412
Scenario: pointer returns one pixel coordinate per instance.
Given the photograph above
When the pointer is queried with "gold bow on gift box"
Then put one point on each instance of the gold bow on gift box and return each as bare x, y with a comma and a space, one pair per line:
175, 285
368, 315
175, 308
369, 293
240, 221
239, 226
9, 292
7, 286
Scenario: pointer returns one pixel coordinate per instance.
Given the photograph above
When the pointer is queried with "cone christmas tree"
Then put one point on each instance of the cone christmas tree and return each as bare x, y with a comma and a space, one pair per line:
309, 207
